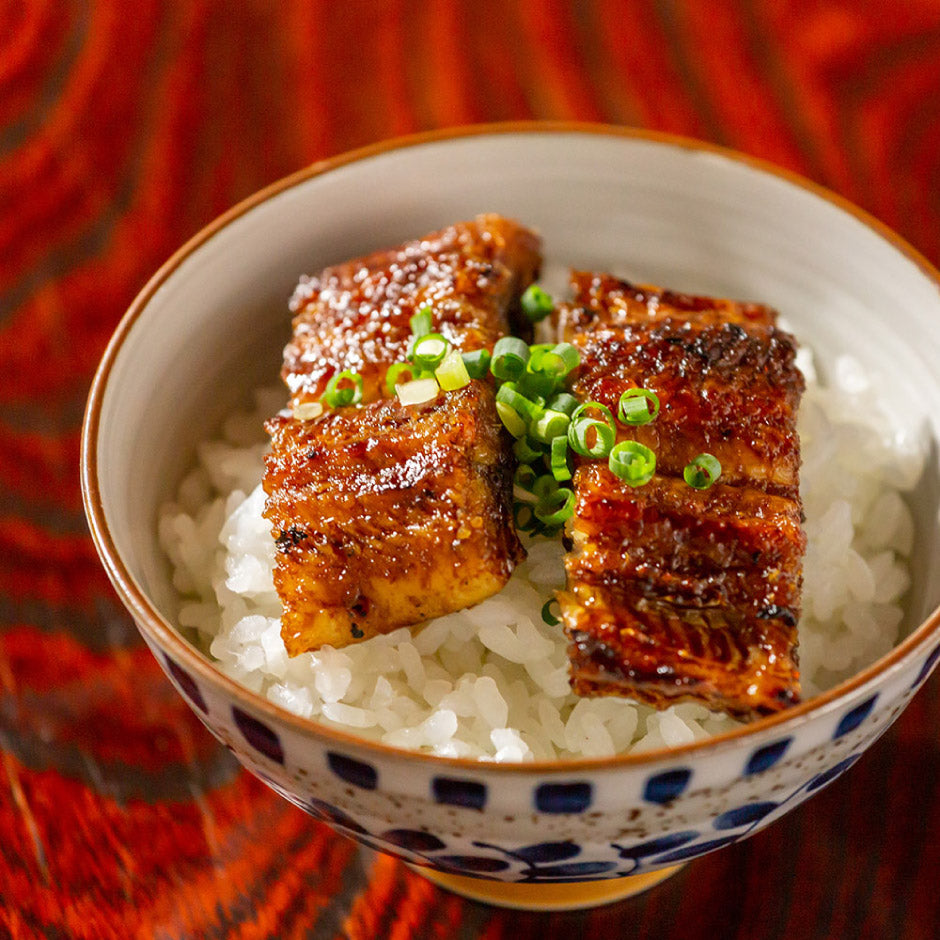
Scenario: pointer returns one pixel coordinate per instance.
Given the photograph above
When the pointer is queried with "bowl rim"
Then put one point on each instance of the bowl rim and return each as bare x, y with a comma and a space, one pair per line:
149, 620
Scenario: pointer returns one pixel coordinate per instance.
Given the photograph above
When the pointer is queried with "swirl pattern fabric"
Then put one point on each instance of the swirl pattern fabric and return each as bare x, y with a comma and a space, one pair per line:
124, 128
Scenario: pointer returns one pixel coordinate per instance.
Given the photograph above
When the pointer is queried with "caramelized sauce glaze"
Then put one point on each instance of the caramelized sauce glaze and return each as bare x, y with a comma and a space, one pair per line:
674, 593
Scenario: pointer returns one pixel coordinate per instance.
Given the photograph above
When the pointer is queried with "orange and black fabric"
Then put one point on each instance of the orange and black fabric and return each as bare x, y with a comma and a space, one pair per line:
127, 126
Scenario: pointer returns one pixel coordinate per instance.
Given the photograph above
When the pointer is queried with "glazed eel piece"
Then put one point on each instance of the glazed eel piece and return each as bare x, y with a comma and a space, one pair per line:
675, 593
386, 515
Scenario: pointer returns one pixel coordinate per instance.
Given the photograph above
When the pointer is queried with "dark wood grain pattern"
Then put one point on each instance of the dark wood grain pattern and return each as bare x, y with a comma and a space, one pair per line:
126, 127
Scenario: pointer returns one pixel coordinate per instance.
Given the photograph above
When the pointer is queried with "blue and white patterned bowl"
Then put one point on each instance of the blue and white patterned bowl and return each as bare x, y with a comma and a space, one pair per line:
211, 325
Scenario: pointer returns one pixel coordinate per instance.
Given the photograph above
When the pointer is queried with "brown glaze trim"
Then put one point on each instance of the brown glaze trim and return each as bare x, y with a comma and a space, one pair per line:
166, 635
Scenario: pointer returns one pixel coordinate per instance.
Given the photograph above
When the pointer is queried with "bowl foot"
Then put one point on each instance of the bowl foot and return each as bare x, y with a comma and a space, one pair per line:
547, 896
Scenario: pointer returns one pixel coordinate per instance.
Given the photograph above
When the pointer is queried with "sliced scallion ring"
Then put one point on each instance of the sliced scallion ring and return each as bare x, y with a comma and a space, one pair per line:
536, 303
523, 516
568, 355
477, 362
563, 402
553, 362
590, 437
587, 406
556, 507
452, 373
638, 406
509, 394
512, 420
537, 384
544, 485
510, 355
701, 472
548, 615
417, 391
558, 460
401, 371
345, 388
421, 323
632, 462
524, 477
524, 451
429, 351
550, 425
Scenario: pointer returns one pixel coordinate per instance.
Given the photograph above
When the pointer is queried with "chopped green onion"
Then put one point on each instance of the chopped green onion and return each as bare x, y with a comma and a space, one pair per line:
568, 355
537, 350
511, 419
477, 362
579, 437
421, 323
537, 384
702, 471
523, 516
563, 402
524, 477
549, 425
555, 361
544, 485
510, 355
509, 394
524, 451
398, 369
561, 468
547, 615
638, 406
536, 303
452, 372
417, 391
429, 351
307, 410
632, 462
337, 395
587, 406
555, 508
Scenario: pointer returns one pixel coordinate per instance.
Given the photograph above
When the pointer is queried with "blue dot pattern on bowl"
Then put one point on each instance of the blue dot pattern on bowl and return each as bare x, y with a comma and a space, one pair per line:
258, 735
466, 793
541, 852
664, 787
470, 863
551, 861
414, 840
655, 846
357, 772
563, 797
925, 670
186, 683
827, 776
575, 871
765, 757
333, 815
743, 815
693, 851
854, 717
561, 860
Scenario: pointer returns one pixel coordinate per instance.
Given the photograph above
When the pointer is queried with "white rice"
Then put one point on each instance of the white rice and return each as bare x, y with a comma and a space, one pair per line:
491, 682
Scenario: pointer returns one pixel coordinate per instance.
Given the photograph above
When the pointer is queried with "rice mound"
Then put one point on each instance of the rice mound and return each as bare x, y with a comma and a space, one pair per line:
491, 682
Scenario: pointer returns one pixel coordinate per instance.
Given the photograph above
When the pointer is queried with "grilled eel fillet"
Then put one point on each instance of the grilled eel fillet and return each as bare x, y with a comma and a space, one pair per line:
386, 515
357, 315
675, 593
392, 515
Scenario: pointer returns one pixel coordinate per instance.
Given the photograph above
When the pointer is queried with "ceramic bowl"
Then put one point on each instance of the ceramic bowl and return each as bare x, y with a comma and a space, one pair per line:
211, 325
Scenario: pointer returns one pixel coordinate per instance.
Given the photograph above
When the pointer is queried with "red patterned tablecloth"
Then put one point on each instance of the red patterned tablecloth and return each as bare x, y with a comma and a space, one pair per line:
124, 128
